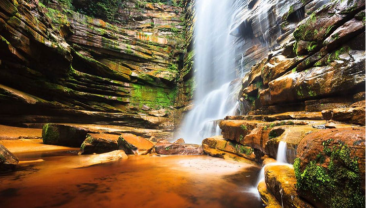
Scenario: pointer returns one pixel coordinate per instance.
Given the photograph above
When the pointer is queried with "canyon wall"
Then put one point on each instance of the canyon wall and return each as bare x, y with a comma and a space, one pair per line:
58, 65
305, 88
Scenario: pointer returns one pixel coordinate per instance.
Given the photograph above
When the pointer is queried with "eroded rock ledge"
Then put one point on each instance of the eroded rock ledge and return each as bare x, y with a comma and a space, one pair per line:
60, 66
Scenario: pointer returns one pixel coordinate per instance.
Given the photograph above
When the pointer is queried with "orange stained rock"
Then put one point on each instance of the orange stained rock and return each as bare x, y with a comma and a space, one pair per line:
280, 181
268, 199
139, 142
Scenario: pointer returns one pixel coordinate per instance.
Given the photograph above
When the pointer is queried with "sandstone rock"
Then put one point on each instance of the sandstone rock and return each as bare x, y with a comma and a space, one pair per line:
64, 135
97, 159
276, 66
267, 198
327, 104
355, 114
66, 67
231, 147
348, 30
180, 141
268, 160
236, 129
340, 75
291, 135
280, 182
99, 143
178, 149
359, 96
226, 155
7, 160
133, 144
158, 113
335, 160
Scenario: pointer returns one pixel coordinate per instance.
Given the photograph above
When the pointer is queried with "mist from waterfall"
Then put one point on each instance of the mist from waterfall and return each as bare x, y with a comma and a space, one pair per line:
215, 94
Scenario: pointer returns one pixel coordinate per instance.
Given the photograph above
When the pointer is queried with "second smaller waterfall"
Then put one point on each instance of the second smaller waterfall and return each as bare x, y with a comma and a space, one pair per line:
281, 156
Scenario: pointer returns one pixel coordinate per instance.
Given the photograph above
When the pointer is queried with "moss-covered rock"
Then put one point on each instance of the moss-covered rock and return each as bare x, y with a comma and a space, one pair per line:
65, 135
330, 168
99, 143
221, 144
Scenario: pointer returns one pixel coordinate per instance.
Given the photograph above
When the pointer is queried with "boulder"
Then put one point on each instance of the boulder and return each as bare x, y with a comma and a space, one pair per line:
97, 159
236, 129
280, 182
221, 144
7, 160
65, 135
99, 143
133, 144
330, 168
180, 141
267, 198
178, 149
226, 155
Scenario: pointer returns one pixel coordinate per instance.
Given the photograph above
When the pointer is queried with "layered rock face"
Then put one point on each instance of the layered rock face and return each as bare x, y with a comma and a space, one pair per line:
60, 66
305, 86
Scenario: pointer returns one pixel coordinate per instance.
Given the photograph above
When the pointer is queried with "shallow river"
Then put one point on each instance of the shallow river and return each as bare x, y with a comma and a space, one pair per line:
145, 181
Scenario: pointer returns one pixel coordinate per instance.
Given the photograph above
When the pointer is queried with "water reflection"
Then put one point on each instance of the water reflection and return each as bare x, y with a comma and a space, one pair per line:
152, 181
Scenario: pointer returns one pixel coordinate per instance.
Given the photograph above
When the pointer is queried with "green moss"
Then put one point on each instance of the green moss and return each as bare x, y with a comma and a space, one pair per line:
243, 127
244, 149
50, 134
336, 186
311, 46
2, 159
154, 97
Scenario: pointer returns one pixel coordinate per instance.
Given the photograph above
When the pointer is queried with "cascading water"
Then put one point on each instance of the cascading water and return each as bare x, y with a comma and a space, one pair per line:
281, 154
281, 159
215, 94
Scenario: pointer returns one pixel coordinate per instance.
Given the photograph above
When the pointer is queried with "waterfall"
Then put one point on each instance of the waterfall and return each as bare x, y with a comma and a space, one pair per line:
281, 154
216, 95
281, 159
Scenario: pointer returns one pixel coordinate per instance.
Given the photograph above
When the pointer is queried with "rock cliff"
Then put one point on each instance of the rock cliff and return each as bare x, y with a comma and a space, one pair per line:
58, 65
304, 86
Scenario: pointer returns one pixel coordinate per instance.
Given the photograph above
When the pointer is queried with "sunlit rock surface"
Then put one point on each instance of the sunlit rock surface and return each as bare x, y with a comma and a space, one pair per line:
133, 144
7, 160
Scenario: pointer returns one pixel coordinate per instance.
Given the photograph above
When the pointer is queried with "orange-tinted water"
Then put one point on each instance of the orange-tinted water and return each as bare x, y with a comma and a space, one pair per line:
143, 181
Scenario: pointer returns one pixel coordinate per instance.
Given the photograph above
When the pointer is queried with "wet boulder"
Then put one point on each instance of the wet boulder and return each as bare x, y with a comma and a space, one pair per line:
133, 144
180, 141
99, 143
65, 135
178, 149
330, 168
97, 159
280, 182
7, 160
267, 198
221, 144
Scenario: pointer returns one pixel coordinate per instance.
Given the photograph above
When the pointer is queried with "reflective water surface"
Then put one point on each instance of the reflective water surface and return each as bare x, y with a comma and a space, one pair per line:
143, 181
